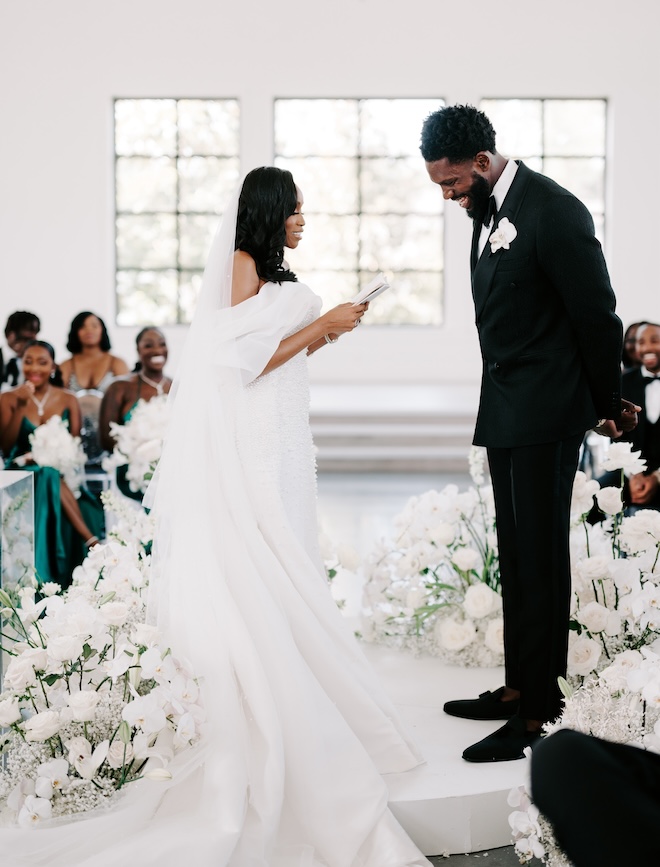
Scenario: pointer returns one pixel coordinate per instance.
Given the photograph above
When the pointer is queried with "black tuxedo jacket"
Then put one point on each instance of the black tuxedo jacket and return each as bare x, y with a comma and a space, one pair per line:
634, 385
550, 339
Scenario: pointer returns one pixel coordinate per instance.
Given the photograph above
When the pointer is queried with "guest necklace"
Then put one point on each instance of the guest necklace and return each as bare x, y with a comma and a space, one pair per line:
40, 404
157, 385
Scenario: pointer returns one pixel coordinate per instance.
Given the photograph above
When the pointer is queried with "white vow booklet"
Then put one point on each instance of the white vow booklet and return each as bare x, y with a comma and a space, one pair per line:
371, 290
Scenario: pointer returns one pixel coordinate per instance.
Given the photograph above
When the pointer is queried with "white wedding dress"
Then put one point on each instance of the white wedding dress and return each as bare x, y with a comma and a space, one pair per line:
299, 731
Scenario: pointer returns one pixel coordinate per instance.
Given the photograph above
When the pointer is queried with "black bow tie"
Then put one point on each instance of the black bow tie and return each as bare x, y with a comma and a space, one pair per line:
649, 379
491, 212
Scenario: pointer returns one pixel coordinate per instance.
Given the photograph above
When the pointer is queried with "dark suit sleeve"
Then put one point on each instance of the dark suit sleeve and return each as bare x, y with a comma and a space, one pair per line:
571, 256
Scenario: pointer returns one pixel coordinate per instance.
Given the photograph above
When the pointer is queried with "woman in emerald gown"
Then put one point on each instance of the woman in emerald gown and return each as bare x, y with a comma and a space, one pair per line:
148, 380
65, 525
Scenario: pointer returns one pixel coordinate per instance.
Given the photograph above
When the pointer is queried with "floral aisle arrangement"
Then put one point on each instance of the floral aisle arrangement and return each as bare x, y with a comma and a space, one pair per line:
92, 701
613, 685
139, 442
434, 587
53, 446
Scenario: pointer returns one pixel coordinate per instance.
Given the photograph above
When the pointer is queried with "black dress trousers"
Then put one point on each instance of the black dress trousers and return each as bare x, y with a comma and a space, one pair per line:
532, 487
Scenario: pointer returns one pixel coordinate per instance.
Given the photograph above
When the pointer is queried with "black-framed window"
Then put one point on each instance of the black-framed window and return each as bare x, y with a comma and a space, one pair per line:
176, 163
368, 202
565, 139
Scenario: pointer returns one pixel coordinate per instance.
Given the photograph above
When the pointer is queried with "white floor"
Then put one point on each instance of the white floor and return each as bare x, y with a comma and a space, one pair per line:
357, 508
447, 805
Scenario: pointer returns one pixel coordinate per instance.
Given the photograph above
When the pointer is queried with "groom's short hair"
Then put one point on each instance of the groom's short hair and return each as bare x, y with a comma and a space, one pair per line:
457, 132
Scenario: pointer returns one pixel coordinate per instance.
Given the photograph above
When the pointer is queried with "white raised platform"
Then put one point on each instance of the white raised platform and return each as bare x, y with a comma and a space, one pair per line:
447, 805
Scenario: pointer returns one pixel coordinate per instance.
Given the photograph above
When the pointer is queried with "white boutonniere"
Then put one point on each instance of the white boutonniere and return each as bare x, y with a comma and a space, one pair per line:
502, 237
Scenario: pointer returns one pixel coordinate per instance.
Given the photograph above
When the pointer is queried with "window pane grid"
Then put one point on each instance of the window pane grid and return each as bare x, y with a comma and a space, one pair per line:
176, 162
368, 202
565, 139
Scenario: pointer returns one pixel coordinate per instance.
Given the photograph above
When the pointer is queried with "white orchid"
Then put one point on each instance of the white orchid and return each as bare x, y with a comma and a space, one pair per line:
503, 236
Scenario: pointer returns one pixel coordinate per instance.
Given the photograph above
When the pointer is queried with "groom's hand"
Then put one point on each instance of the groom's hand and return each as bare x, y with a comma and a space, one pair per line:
627, 421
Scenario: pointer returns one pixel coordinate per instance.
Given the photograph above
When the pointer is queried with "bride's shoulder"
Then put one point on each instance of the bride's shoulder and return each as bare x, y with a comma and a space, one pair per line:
245, 280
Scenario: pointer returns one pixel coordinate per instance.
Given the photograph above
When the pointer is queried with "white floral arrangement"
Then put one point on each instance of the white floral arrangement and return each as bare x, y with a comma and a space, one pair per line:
613, 686
53, 446
139, 442
434, 587
92, 701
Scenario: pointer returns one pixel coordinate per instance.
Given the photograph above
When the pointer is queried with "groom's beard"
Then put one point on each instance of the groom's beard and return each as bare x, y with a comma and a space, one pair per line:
479, 194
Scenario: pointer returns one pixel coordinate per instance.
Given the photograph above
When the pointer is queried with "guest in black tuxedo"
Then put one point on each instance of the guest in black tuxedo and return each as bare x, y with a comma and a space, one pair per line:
629, 357
642, 385
21, 328
551, 346
602, 799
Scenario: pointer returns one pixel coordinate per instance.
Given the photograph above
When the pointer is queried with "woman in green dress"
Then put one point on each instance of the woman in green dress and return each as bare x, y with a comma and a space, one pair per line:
66, 526
148, 380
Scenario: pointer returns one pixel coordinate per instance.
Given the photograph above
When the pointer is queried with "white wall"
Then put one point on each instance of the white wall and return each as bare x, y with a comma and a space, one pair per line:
63, 62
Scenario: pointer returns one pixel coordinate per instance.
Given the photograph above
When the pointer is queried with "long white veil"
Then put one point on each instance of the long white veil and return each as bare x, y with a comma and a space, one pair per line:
298, 731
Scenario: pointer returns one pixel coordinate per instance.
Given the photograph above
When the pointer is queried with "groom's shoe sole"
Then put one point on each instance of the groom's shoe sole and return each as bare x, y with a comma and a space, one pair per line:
489, 706
505, 745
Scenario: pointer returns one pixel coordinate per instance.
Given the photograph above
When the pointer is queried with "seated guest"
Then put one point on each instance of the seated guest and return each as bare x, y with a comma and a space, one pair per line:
601, 798
88, 373
65, 526
122, 396
642, 386
21, 327
629, 358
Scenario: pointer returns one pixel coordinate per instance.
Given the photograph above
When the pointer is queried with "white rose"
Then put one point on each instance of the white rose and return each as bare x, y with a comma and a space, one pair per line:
594, 617
20, 671
50, 588
625, 574
442, 534
494, 638
145, 635
117, 757
64, 648
592, 568
609, 500
613, 625
651, 692
10, 712
480, 601
465, 559
455, 635
83, 705
620, 456
583, 656
641, 530
349, 558
42, 726
583, 494
114, 613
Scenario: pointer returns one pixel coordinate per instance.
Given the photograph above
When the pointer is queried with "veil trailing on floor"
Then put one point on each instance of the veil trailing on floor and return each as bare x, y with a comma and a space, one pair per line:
298, 732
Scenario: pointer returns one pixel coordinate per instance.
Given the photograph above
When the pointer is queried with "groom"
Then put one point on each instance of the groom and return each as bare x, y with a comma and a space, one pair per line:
551, 348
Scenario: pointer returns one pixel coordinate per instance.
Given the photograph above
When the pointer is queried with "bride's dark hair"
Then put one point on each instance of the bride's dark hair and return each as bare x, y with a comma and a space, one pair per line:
268, 198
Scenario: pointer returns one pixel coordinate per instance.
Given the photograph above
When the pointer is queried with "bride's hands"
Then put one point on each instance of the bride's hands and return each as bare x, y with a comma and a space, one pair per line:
343, 318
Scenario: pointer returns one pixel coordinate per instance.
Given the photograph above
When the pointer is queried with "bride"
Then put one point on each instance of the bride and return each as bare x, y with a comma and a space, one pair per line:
298, 730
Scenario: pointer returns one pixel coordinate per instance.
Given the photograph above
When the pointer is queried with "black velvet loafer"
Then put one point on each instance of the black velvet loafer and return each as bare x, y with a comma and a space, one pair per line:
489, 705
504, 745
